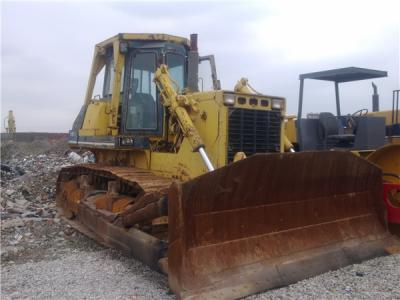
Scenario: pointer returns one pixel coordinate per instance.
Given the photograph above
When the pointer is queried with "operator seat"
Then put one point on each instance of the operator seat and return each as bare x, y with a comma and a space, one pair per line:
141, 109
329, 132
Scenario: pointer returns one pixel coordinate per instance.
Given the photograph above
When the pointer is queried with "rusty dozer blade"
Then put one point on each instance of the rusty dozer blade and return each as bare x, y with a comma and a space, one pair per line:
271, 220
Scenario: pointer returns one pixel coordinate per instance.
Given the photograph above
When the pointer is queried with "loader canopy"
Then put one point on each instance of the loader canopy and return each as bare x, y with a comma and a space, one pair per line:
271, 220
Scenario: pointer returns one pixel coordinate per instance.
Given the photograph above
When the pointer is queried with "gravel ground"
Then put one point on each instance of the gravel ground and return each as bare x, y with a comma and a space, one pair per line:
84, 275
378, 278
105, 274
42, 257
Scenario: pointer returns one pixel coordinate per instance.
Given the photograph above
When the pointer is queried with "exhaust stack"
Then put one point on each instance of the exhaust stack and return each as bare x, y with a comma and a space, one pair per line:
375, 98
193, 64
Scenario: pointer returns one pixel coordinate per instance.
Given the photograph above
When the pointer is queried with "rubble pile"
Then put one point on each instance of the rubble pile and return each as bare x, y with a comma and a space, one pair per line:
19, 149
28, 186
29, 221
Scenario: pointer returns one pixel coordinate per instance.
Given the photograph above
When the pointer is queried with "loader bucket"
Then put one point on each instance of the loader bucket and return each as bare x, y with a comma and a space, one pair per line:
273, 219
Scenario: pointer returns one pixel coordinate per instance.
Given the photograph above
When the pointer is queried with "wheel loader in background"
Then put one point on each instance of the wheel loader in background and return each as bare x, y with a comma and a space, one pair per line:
171, 187
374, 135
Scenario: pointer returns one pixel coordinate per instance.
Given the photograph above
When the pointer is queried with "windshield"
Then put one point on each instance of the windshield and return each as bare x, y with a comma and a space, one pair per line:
176, 69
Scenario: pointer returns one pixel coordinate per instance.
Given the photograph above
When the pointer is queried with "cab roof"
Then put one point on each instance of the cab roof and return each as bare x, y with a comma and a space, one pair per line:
146, 37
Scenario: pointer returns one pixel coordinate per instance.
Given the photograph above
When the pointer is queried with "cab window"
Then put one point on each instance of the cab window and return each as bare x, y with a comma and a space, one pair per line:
176, 69
142, 105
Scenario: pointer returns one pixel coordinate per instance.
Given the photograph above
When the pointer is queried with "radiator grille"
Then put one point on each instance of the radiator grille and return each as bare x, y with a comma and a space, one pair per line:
253, 131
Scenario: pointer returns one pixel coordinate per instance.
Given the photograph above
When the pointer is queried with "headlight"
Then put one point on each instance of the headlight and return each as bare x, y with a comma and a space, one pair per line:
127, 141
229, 99
276, 104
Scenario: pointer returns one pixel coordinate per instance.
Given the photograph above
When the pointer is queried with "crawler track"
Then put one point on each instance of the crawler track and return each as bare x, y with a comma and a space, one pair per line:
119, 206
134, 180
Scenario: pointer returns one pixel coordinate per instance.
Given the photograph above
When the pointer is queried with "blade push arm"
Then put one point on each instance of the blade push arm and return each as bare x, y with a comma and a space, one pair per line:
178, 106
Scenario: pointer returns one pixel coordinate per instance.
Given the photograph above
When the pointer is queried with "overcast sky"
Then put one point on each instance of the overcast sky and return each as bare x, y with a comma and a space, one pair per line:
47, 47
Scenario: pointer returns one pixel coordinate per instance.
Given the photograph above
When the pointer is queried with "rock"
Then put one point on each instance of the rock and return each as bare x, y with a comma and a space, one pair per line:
17, 239
9, 192
25, 192
30, 220
21, 202
30, 214
46, 214
16, 210
10, 204
9, 250
19, 171
88, 157
11, 223
75, 157
69, 231
5, 168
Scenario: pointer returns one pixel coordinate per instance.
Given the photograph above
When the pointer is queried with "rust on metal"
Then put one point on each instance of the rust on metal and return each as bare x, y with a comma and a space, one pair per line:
100, 197
160, 221
273, 219
149, 206
72, 195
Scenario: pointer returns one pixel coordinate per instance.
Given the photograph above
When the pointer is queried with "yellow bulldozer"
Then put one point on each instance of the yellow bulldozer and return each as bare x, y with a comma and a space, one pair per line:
197, 184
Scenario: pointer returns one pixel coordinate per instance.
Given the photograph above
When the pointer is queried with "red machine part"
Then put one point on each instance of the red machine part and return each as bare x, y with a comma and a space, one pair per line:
391, 196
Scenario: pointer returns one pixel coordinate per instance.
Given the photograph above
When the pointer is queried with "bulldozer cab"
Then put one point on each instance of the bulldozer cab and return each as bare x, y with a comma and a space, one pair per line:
142, 112
125, 66
356, 131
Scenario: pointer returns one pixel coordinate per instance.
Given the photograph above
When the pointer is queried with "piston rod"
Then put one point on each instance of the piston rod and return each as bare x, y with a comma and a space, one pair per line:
206, 159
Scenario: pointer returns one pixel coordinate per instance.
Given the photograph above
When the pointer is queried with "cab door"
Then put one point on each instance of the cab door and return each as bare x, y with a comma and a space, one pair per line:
141, 112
